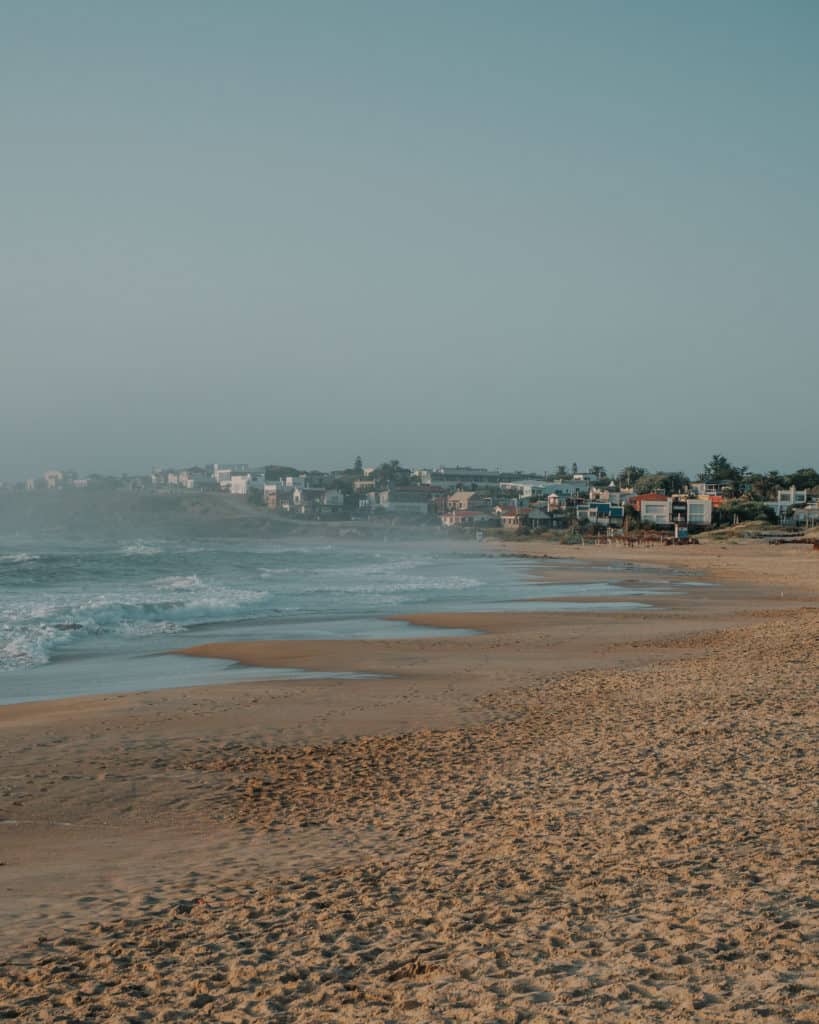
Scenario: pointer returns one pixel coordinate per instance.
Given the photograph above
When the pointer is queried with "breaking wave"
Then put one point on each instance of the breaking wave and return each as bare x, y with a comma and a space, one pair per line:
86, 599
140, 548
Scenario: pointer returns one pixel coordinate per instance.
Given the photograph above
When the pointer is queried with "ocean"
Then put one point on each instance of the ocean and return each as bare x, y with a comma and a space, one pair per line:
87, 618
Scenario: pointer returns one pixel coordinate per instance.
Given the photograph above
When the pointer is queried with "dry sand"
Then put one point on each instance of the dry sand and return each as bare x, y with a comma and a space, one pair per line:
591, 817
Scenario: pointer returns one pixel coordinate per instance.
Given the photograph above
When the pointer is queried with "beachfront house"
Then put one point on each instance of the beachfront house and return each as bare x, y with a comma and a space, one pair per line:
222, 475
601, 514
805, 515
405, 501
679, 509
195, 479
511, 517
699, 511
787, 500
466, 501
239, 483
526, 488
478, 519
333, 499
539, 518
654, 509
306, 499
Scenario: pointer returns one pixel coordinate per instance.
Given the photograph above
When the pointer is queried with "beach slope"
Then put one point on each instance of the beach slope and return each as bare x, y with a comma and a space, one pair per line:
565, 819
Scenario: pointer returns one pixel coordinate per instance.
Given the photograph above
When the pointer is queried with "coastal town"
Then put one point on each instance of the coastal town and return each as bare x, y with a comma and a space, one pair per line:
577, 502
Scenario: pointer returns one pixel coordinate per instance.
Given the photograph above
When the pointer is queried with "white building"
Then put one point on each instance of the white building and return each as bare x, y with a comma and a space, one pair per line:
305, 499
786, 500
699, 511
806, 515
526, 488
562, 488
240, 483
222, 477
656, 511
190, 480
666, 511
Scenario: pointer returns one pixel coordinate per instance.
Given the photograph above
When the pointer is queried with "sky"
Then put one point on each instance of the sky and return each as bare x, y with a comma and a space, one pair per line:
513, 235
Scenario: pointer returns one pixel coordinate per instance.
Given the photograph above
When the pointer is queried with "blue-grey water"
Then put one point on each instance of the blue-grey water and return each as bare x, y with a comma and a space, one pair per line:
85, 618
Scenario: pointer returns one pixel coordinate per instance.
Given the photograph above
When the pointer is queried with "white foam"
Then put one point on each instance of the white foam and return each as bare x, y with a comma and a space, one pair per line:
179, 582
140, 548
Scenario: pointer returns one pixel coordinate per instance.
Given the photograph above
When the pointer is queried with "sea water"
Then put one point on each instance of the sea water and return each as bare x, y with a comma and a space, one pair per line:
85, 618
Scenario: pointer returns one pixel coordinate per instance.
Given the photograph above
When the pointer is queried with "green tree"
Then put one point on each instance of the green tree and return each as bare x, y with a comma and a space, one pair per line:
803, 479
668, 483
273, 473
765, 485
392, 472
358, 465
745, 511
561, 472
719, 469
629, 474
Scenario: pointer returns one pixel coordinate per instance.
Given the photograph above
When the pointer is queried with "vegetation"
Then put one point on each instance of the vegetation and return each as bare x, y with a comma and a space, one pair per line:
664, 483
720, 471
392, 474
273, 473
629, 475
743, 511
763, 486
803, 479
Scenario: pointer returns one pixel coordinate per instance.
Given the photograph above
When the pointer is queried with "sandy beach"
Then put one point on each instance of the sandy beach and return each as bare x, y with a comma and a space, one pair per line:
591, 816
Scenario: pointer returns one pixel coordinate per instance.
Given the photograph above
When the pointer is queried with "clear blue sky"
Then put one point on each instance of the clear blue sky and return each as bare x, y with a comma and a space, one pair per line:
517, 234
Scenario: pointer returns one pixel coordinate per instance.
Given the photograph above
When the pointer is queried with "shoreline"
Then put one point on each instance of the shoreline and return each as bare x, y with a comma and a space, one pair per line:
724, 560
231, 798
446, 621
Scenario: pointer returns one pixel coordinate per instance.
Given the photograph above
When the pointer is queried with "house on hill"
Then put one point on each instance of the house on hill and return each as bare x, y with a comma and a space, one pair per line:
406, 501
466, 501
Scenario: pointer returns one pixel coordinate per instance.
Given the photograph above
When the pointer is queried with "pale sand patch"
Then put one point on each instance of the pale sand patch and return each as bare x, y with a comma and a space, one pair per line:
789, 566
612, 818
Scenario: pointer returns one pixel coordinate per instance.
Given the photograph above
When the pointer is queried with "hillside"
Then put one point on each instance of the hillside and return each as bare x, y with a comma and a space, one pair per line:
89, 513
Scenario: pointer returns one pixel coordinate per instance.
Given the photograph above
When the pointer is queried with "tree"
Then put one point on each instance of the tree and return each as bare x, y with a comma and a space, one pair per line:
744, 511
629, 474
598, 472
273, 473
668, 483
392, 472
719, 470
358, 465
561, 472
803, 479
574, 468
765, 485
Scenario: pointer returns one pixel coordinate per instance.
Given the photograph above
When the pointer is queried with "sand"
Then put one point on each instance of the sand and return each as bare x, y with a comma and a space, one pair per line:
591, 817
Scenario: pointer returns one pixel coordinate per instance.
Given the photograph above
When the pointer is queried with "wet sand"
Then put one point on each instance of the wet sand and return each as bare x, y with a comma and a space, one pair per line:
582, 817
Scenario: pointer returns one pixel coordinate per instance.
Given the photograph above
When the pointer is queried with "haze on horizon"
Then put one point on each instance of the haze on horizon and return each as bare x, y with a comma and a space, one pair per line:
491, 234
